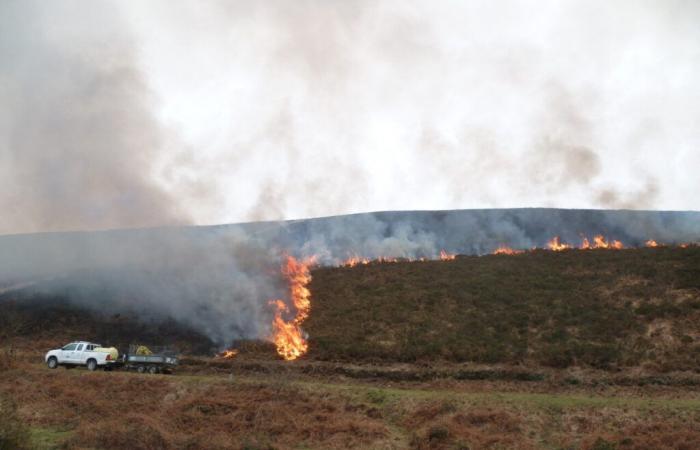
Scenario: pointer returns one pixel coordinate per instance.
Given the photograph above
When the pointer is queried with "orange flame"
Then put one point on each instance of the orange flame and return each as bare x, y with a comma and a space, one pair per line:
287, 335
556, 245
227, 354
585, 244
444, 256
505, 250
600, 242
651, 243
384, 259
354, 261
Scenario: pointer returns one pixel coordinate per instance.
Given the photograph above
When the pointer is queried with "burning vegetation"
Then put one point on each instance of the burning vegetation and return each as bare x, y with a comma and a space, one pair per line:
356, 260
287, 334
228, 354
444, 256
505, 250
556, 245
599, 242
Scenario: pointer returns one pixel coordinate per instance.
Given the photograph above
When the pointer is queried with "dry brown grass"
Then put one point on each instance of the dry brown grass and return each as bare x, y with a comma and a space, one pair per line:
8, 358
129, 411
121, 410
657, 436
442, 425
13, 433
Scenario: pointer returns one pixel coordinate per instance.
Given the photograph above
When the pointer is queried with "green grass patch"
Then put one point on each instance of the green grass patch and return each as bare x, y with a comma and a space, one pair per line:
47, 438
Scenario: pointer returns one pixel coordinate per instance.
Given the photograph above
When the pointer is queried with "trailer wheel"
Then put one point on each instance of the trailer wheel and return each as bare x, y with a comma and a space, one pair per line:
140, 369
153, 370
91, 365
52, 362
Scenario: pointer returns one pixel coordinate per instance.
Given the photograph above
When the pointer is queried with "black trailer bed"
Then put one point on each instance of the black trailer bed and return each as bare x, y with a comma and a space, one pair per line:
143, 359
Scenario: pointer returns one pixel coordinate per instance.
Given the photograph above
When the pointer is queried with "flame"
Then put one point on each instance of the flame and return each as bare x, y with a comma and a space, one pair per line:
444, 256
556, 245
354, 261
384, 259
227, 354
505, 250
287, 335
600, 242
585, 244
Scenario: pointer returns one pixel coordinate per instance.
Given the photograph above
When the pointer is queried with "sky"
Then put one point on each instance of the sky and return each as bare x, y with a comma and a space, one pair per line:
136, 114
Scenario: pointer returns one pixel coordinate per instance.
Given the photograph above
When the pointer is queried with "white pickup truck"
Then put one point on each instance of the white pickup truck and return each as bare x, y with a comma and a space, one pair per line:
82, 353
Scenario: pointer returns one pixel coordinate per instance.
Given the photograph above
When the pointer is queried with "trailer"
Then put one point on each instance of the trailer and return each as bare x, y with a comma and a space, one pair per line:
153, 360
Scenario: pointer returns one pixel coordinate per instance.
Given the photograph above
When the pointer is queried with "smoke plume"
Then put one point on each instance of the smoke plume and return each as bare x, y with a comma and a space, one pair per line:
79, 145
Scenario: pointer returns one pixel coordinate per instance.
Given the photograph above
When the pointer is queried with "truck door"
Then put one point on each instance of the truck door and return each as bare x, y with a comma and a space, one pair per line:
79, 355
88, 352
67, 353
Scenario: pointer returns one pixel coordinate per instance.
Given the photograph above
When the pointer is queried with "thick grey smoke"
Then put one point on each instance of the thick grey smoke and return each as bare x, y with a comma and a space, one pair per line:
79, 145
128, 114
336, 107
217, 280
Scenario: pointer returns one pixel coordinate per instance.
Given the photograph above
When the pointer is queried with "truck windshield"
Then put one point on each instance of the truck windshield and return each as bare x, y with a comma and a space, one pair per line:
70, 347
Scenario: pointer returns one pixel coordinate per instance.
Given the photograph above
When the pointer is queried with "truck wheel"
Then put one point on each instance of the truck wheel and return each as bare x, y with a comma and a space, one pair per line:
153, 370
52, 362
141, 369
91, 365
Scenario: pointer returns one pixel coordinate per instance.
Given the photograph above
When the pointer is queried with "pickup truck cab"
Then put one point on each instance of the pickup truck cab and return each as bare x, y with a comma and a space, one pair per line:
80, 353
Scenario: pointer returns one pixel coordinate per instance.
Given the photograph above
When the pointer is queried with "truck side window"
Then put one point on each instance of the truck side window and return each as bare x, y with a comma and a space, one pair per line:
80, 348
90, 348
69, 347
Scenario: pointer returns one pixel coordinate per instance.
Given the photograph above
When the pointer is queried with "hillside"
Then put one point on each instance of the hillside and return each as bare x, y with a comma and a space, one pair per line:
599, 308
468, 353
603, 309
217, 280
